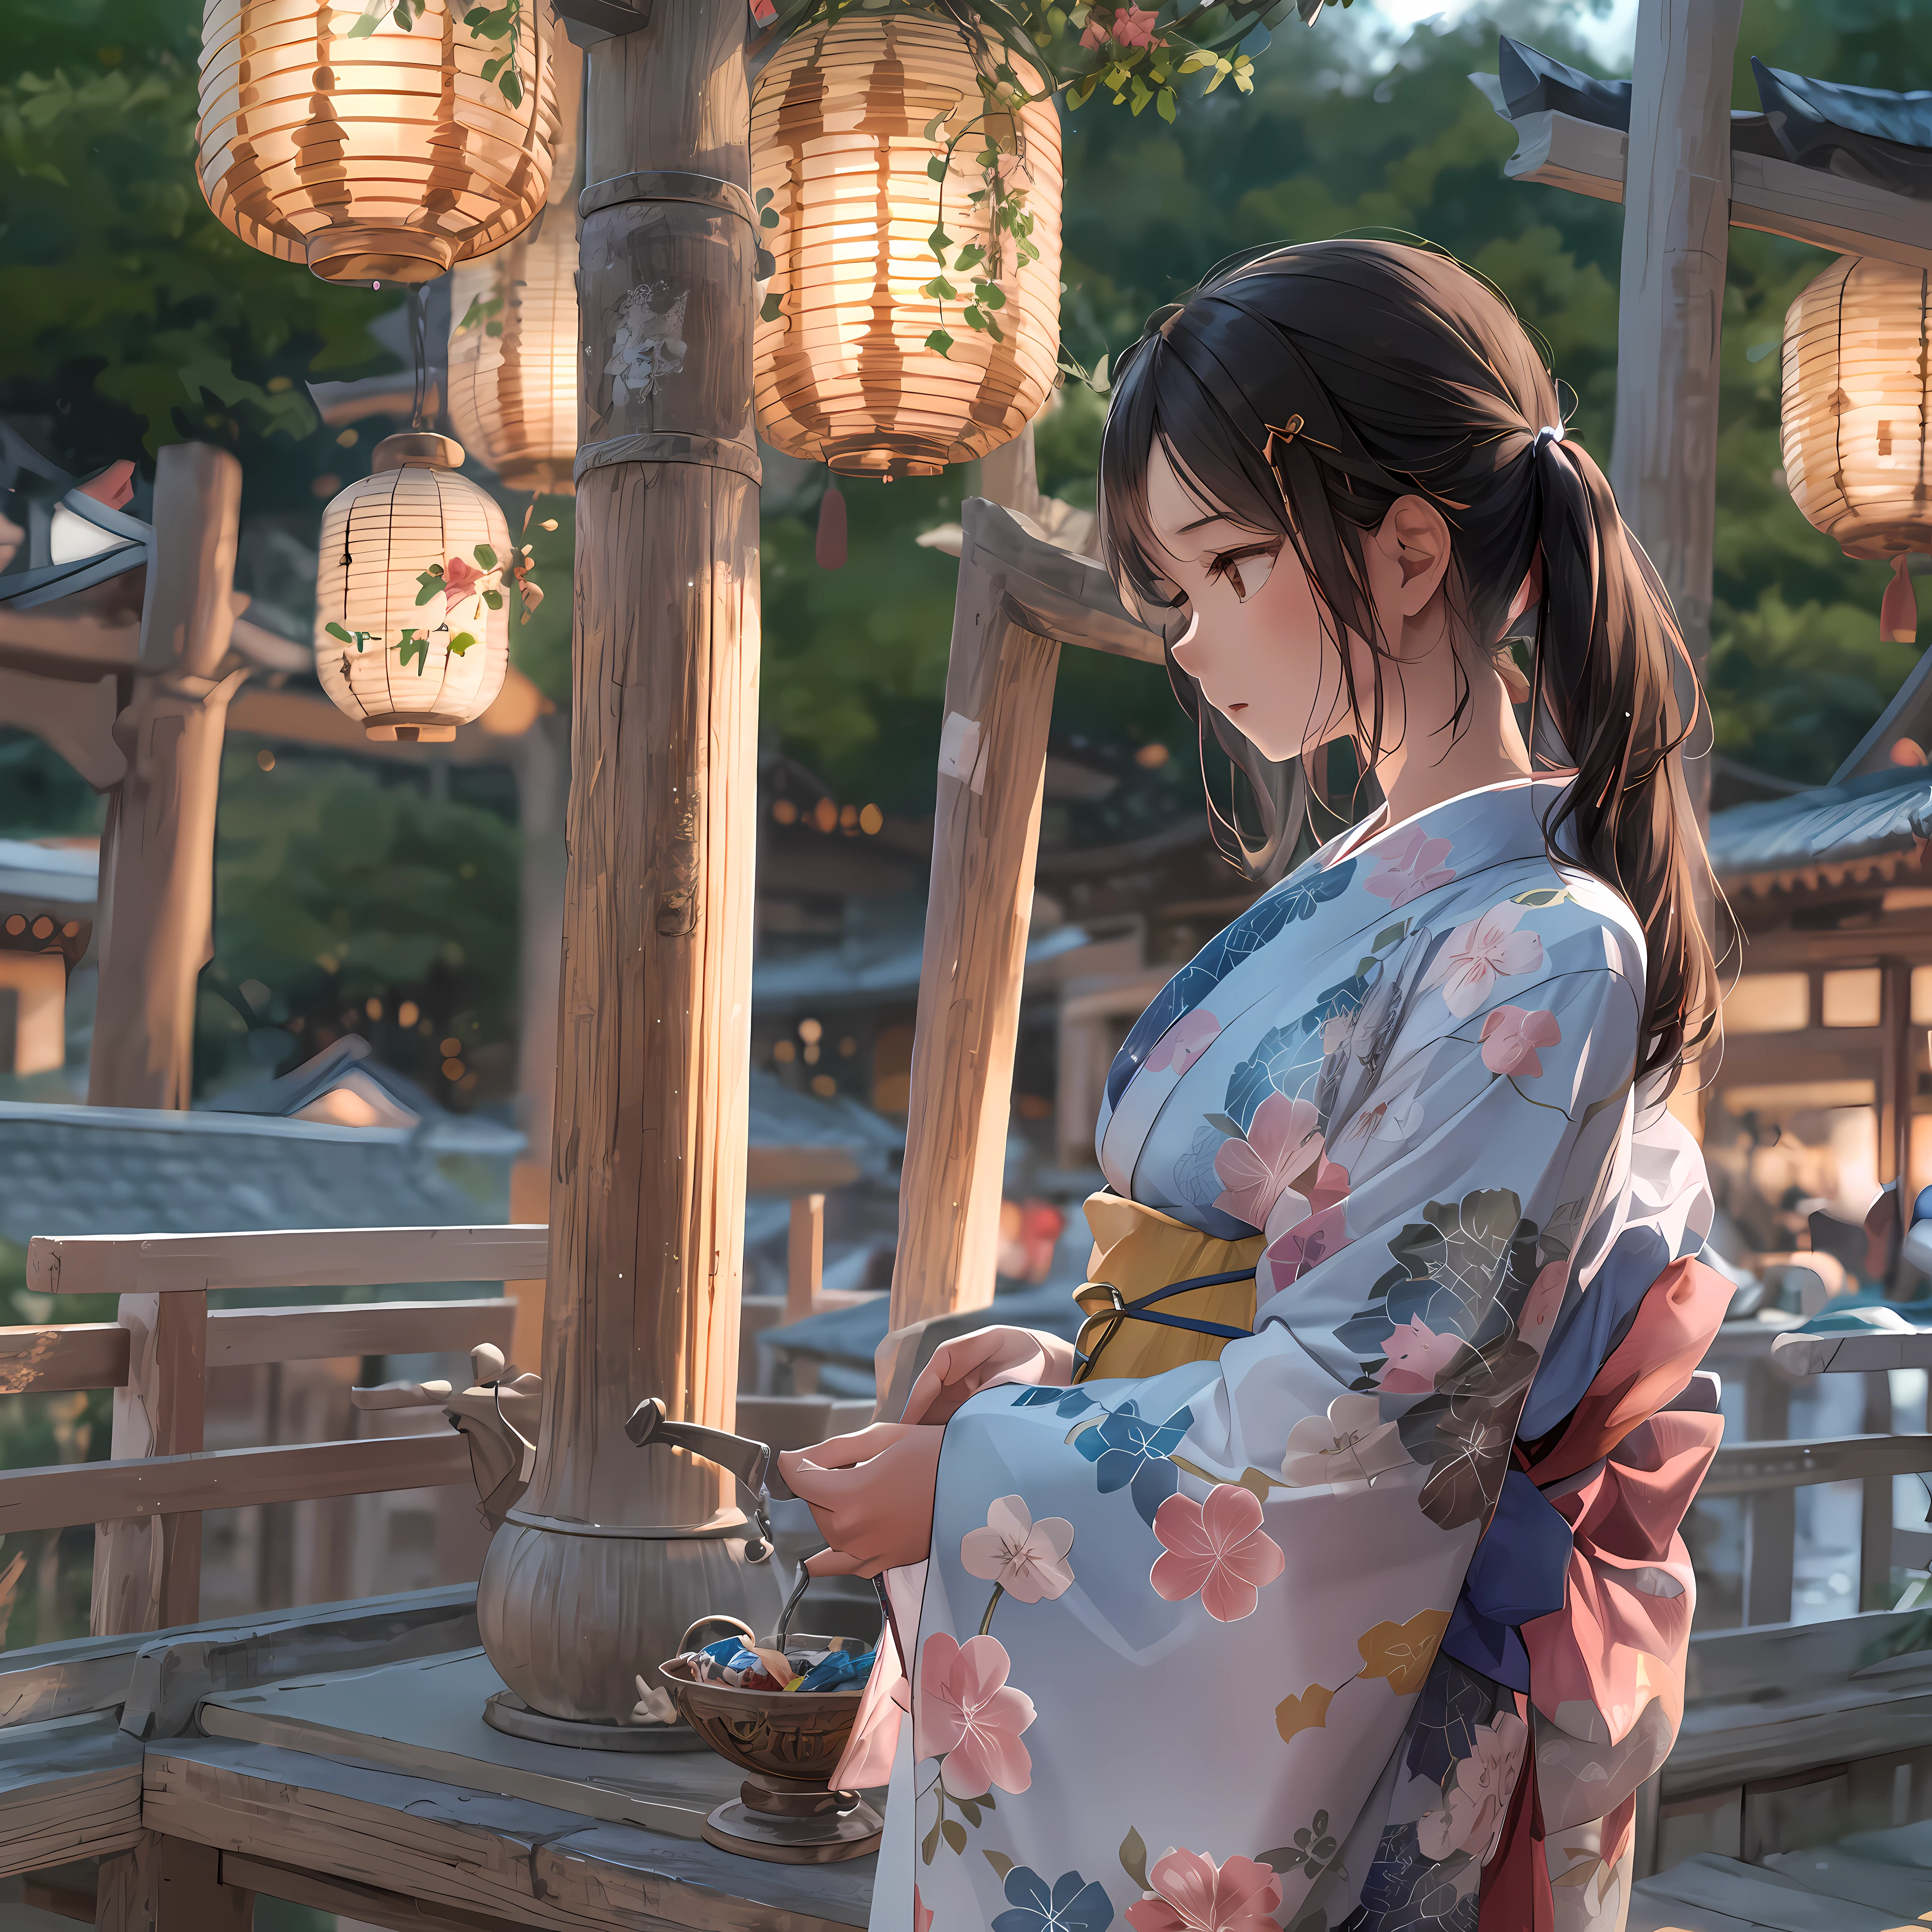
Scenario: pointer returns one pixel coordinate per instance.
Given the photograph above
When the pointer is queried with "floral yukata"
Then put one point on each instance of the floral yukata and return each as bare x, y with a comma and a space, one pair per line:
1268, 1640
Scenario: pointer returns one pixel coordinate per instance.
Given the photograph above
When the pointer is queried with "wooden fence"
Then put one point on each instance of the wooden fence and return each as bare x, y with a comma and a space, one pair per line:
148, 1499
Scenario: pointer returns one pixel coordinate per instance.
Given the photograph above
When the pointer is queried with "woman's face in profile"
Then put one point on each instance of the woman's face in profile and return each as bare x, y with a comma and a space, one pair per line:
1258, 646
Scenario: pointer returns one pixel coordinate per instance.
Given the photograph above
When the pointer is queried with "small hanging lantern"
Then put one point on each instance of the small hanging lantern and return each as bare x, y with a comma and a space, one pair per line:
1857, 418
378, 141
513, 359
908, 322
412, 638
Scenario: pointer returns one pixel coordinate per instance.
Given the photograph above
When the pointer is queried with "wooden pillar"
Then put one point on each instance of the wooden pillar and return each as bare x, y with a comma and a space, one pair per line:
169, 1884
157, 852
1677, 211
147, 1570
613, 1550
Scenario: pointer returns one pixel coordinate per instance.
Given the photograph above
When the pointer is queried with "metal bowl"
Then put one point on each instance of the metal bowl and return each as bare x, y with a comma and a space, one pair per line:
799, 1735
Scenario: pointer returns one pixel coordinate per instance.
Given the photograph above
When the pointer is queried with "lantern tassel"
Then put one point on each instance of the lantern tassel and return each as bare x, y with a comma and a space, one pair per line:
1898, 613
831, 545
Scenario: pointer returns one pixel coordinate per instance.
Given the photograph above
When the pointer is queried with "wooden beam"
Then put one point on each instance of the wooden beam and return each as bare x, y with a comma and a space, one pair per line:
70, 1788
73, 716
1774, 195
281, 1258
361, 1904
79, 1355
790, 1171
75, 1493
238, 1337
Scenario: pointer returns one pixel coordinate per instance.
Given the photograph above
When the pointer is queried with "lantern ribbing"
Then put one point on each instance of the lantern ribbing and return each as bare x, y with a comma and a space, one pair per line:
843, 375
513, 392
384, 155
385, 658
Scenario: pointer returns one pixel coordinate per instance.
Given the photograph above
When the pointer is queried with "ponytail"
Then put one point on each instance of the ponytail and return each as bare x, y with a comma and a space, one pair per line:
1406, 374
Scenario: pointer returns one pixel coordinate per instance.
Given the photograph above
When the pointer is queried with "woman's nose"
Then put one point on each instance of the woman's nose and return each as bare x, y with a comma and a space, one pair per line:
1186, 647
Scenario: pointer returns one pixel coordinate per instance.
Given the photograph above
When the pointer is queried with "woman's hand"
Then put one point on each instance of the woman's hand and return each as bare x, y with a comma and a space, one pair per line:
961, 1368
871, 1495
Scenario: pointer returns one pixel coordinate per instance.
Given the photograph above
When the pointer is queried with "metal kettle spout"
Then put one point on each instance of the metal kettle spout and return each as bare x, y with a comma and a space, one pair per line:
751, 1462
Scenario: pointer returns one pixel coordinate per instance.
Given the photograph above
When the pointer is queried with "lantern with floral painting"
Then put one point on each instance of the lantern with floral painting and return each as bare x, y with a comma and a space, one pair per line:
513, 359
1857, 418
909, 205
412, 633
379, 140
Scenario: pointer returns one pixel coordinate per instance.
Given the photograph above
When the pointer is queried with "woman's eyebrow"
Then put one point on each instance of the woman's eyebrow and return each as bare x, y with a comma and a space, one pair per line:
1217, 517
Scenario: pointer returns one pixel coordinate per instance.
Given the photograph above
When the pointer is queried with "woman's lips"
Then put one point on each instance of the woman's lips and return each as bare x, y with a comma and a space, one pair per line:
1233, 709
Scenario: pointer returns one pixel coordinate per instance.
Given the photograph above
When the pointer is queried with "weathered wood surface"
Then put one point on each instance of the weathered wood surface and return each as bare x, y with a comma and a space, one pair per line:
96, 1673
169, 1885
999, 702
1777, 197
156, 928
70, 1788
534, 1864
1815, 1354
426, 1718
1677, 196
147, 1571
77, 1355
73, 715
789, 1172
281, 1258
355, 1903
655, 1015
75, 1492
238, 1337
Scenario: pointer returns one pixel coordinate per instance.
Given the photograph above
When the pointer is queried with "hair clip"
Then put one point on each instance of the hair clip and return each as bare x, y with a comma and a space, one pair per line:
1283, 433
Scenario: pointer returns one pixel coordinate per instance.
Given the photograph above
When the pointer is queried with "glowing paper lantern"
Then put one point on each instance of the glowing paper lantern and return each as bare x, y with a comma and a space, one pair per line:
407, 640
1857, 417
843, 374
331, 135
513, 359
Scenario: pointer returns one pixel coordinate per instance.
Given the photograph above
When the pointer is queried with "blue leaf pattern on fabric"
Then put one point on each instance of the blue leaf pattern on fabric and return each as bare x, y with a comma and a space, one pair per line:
1068, 1402
1127, 1448
1296, 897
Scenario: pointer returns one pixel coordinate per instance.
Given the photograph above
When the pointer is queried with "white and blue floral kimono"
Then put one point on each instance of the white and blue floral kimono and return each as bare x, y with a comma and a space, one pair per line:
1208, 1651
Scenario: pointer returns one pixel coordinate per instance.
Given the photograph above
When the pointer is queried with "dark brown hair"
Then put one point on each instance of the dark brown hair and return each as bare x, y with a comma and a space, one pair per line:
1411, 375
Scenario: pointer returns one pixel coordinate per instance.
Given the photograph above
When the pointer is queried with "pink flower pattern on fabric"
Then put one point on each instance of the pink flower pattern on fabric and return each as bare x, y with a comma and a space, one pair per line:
1475, 1801
922, 1913
1417, 1355
1184, 1041
1192, 1894
1216, 1548
1409, 866
460, 578
1306, 1245
1282, 1142
1027, 1559
1478, 953
1511, 1035
971, 1717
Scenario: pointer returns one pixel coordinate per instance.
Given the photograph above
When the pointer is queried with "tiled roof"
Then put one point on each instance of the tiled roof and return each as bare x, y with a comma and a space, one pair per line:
67, 1170
1861, 828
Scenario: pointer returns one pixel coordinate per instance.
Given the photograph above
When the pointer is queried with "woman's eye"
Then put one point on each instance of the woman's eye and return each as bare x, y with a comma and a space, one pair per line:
1245, 570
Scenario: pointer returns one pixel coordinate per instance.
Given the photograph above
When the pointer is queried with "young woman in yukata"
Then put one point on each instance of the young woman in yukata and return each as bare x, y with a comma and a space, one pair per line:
1373, 1617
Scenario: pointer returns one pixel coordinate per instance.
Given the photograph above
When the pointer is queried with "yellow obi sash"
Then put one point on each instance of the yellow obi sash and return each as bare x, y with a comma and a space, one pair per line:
1161, 1293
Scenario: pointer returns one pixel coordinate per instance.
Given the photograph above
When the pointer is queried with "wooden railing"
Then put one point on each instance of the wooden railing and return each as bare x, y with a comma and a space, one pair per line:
1768, 1475
147, 1500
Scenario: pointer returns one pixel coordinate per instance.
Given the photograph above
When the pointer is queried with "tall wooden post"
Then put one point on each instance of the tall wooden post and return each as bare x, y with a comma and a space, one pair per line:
1677, 215
158, 855
613, 1550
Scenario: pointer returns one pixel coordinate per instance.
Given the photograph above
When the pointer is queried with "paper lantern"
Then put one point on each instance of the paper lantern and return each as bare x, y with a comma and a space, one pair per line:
843, 375
332, 136
1857, 417
407, 639
513, 359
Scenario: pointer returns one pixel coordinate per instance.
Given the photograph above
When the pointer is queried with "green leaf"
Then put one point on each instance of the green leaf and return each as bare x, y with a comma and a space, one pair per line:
494, 599
970, 1812
491, 67
763, 199
930, 1844
990, 294
1390, 934
461, 642
974, 316
932, 126
768, 218
362, 28
770, 309
1000, 1863
428, 591
1133, 1858
993, 330
970, 256
1164, 102
939, 289
955, 1834
337, 631
485, 555
511, 86
939, 242
939, 342
413, 643
935, 168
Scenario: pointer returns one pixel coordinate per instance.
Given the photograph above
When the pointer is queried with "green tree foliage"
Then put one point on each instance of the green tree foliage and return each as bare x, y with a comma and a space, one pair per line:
333, 890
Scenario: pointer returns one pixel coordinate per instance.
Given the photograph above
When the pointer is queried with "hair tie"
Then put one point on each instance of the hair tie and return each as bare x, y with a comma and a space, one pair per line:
1549, 433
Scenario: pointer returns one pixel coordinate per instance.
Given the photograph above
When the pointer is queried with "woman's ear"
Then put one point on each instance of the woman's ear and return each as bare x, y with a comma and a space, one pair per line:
1413, 545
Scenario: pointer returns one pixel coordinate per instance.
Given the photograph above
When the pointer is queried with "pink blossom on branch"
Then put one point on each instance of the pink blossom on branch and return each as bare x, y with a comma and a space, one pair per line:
969, 1716
1218, 1549
1511, 1035
460, 578
1133, 27
1191, 1894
